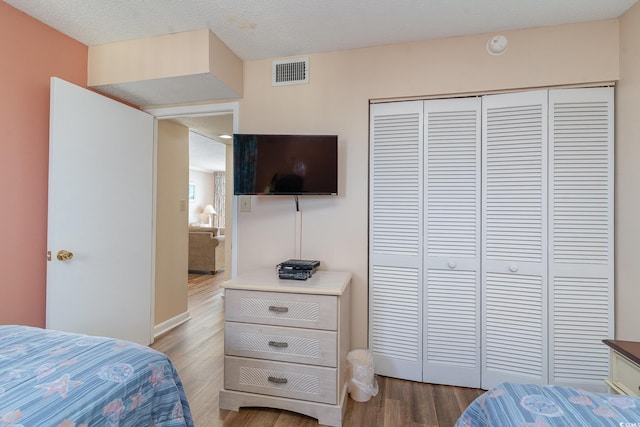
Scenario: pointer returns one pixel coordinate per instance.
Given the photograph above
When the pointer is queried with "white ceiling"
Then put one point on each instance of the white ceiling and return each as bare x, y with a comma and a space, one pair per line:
206, 146
258, 29
206, 154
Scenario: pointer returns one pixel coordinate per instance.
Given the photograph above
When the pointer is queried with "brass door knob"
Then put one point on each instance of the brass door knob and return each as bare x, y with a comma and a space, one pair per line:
63, 255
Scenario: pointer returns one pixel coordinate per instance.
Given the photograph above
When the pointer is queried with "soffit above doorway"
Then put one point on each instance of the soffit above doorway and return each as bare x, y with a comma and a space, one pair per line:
169, 90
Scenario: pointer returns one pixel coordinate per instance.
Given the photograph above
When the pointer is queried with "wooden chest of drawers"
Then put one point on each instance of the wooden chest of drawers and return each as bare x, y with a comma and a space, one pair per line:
286, 343
625, 367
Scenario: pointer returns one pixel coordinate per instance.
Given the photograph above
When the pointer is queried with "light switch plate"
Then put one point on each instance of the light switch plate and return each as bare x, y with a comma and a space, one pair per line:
245, 203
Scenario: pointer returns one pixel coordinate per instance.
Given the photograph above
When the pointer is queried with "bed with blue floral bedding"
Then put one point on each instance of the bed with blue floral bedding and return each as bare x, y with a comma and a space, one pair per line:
548, 406
51, 378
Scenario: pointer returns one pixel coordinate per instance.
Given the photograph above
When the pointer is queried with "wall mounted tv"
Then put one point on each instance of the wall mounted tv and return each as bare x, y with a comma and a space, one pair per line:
285, 164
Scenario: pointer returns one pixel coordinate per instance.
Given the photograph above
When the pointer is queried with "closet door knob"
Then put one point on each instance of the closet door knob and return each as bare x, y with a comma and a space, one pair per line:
452, 264
513, 268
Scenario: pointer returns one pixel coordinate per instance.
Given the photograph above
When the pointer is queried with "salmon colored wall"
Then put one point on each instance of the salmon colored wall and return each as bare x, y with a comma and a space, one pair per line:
30, 53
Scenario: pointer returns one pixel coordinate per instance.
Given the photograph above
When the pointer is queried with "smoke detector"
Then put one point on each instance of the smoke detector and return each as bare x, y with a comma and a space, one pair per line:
497, 45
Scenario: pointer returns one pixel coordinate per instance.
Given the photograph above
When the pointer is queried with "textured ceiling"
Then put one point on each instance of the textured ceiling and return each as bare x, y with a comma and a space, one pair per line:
258, 29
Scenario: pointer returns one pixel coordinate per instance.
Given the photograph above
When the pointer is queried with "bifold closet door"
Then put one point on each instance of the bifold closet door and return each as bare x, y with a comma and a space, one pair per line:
530, 297
395, 239
514, 236
451, 338
581, 235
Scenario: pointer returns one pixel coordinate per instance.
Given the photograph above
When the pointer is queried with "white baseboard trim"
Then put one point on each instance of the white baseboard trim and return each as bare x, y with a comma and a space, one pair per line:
167, 325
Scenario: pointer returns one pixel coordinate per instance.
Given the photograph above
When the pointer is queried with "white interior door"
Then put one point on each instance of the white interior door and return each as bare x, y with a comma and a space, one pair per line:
100, 210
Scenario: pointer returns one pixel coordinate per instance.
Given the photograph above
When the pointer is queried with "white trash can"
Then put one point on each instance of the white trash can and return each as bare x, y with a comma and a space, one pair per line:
362, 381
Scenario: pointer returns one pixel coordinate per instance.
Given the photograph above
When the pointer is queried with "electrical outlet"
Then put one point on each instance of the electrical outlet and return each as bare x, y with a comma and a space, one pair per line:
245, 203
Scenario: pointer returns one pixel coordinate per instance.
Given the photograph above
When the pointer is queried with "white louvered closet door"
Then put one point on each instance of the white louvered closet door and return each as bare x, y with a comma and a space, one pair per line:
514, 234
581, 235
452, 242
395, 239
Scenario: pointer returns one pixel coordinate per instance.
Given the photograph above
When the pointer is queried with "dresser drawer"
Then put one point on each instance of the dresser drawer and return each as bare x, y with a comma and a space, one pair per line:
282, 309
625, 374
309, 346
303, 382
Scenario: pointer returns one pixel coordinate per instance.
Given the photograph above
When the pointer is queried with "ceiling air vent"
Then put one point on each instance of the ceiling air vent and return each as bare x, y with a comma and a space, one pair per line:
290, 72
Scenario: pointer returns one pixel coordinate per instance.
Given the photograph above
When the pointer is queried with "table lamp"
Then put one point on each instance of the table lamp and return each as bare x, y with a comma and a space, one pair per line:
209, 211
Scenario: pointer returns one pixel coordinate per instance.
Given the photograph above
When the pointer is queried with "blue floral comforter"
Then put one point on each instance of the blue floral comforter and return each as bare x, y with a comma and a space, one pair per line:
50, 378
531, 405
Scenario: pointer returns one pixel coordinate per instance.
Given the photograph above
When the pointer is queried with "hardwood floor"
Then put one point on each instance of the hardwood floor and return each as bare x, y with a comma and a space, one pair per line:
197, 347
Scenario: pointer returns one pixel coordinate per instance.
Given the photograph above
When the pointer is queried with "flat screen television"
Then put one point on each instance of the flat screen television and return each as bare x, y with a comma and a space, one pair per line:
285, 164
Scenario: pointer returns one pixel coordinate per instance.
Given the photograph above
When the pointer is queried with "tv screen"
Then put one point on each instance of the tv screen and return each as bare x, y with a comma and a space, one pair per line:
285, 164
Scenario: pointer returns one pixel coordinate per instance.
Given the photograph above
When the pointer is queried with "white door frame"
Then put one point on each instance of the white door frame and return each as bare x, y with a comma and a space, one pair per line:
201, 110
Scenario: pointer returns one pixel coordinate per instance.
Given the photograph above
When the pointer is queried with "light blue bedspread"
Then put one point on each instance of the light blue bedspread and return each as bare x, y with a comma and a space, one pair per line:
50, 378
541, 406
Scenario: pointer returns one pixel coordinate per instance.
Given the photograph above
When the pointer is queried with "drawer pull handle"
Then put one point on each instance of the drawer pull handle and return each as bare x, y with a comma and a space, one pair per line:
278, 344
277, 380
278, 309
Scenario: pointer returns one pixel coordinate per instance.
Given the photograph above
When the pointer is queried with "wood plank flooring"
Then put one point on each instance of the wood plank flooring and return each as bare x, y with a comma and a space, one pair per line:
197, 347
